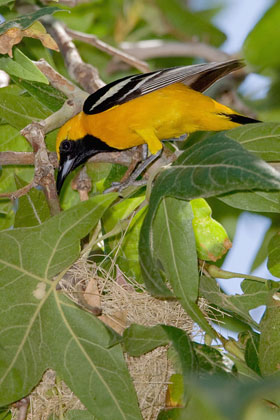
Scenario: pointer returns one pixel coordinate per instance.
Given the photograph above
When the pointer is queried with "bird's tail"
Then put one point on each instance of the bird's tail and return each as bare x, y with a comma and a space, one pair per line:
240, 119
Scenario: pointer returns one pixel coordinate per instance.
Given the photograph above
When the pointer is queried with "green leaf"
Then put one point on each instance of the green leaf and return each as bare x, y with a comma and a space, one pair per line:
263, 140
27, 19
259, 201
32, 208
269, 347
201, 171
128, 259
210, 360
7, 181
175, 391
139, 340
5, 414
47, 95
120, 216
273, 263
7, 214
183, 346
79, 415
19, 111
199, 407
12, 140
34, 315
227, 319
254, 295
252, 351
190, 24
222, 398
261, 50
22, 67
175, 248
174, 245
262, 253
7, 3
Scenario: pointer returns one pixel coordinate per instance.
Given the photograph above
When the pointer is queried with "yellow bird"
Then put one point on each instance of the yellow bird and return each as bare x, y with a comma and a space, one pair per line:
145, 109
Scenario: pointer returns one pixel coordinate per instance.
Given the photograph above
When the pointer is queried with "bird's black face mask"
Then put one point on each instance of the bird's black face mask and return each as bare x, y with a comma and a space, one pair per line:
74, 153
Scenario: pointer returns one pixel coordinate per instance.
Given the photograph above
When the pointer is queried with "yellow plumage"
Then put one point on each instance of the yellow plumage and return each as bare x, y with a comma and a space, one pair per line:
165, 113
146, 108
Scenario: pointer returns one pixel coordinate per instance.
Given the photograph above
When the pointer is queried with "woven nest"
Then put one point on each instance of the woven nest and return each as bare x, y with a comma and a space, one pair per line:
123, 302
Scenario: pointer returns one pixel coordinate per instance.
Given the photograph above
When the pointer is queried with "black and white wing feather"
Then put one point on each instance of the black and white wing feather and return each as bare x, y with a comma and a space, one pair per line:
199, 77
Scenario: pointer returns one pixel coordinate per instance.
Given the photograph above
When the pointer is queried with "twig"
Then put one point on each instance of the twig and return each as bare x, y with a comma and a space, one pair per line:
69, 3
71, 107
157, 48
16, 158
215, 271
85, 74
44, 171
58, 81
82, 183
115, 52
28, 158
19, 193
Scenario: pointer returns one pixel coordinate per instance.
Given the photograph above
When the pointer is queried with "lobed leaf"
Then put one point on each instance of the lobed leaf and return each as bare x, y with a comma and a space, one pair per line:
79, 414
34, 314
32, 208
12, 140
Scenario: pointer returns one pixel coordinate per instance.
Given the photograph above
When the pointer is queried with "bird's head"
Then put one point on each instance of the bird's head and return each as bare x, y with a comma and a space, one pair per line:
74, 146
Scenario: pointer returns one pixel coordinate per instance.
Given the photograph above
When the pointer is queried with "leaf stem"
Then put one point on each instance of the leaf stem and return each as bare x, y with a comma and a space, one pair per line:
215, 271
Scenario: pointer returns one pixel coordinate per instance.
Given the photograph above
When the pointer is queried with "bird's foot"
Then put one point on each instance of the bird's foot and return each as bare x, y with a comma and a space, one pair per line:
121, 186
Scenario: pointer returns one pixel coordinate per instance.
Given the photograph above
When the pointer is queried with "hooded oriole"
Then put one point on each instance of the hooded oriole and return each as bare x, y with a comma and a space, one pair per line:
145, 108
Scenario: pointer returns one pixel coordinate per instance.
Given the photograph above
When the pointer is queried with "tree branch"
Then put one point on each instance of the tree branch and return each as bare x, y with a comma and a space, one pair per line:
76, 97
115, 52
16, 158
19, 193
28, 158
85, 74
44, 170
157, 48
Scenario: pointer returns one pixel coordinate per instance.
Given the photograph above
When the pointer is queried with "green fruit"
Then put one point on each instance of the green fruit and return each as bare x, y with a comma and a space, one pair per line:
212, 241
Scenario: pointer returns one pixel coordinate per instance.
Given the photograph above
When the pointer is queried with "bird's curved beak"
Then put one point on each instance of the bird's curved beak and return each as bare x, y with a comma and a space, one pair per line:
64, 169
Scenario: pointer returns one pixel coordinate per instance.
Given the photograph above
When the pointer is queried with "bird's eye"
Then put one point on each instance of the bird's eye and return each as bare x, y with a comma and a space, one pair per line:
66, 145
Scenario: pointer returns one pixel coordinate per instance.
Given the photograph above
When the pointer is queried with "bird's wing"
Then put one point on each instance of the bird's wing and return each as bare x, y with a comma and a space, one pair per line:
199, 77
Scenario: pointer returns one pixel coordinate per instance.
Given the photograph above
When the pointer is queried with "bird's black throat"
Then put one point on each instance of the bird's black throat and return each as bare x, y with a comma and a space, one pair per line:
74, 153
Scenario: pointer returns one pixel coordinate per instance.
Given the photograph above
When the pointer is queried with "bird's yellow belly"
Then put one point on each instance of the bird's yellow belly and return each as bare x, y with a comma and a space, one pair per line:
168, 112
